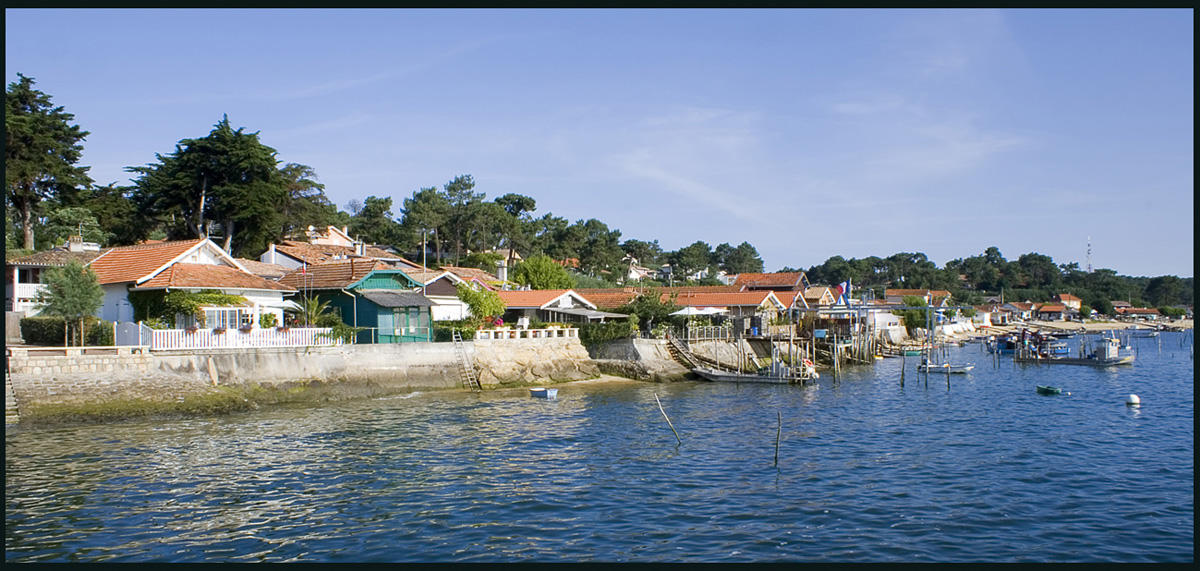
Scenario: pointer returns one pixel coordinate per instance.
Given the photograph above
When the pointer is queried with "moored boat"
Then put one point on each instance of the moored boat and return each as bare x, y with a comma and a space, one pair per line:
1048, 390
944, 368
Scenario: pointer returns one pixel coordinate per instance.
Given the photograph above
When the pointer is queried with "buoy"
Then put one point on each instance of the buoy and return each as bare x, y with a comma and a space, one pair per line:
1133, 400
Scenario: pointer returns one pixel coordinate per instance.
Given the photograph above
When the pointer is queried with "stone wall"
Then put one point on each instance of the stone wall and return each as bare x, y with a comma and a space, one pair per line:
644, 359
71, 376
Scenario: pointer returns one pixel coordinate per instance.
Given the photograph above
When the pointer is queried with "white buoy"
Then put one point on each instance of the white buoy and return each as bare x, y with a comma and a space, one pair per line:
1133, 400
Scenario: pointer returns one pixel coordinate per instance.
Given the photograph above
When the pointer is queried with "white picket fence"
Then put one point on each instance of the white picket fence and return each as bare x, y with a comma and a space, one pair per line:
172, 339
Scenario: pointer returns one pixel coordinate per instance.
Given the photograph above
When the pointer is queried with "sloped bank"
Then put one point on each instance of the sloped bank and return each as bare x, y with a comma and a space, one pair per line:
68, 384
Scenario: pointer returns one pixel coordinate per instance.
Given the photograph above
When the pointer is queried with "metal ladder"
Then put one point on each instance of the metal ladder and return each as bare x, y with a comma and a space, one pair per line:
466, 371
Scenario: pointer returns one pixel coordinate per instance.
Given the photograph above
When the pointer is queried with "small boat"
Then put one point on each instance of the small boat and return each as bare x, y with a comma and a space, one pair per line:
777, 373
1048, 390
1106, 353
912, 352
944, 368
543, 393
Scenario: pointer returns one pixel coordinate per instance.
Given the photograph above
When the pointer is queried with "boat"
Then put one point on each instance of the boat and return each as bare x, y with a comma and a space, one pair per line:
1048, 390
777, 373
543, 393
1145, 333
1006, 345
1105, 353
944, 368
912, 352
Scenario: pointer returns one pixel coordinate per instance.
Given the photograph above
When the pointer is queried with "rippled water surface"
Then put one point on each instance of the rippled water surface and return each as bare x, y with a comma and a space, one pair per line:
984, 469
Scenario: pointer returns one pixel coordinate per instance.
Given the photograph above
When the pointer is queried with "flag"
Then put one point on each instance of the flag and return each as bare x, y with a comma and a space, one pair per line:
843, 292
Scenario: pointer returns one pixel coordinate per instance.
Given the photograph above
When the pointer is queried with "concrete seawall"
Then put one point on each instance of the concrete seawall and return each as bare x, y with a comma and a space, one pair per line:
47, 379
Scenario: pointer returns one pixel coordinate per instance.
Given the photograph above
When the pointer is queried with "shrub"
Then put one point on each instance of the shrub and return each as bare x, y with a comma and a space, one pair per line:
591, 334
443, 330
47, 330
266, 320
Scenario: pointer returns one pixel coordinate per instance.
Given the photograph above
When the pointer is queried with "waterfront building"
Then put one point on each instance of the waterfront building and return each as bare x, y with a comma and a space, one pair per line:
382, 301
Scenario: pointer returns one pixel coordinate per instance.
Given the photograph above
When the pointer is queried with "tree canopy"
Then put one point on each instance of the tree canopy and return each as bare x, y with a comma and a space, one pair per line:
226, 183
72, 292
42, 147
541, 272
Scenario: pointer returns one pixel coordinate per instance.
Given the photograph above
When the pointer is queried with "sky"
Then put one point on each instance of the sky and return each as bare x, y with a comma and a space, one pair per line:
808, 133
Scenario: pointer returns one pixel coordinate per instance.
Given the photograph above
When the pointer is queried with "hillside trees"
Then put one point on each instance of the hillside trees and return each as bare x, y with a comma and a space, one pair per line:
42, 147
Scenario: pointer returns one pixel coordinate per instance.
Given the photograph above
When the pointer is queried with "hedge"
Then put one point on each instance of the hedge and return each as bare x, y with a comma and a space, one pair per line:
595, 333
45, 330
443, 330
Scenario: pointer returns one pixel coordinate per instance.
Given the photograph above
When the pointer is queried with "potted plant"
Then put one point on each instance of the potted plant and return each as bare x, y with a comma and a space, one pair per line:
191, 329
218, 330
245, 328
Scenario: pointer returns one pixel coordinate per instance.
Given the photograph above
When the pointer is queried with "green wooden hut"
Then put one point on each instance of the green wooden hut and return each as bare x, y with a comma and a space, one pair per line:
376, 297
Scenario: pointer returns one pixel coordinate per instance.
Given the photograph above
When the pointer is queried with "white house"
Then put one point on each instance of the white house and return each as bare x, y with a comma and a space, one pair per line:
189, 265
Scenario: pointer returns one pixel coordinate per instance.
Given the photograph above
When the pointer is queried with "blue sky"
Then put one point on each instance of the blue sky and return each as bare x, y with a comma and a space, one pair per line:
808, 133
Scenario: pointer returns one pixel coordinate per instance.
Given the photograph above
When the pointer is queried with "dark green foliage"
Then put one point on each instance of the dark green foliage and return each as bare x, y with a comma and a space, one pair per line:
485, 261
689, 260
41, 147
541, 272
649, 309
592, 334
373, 223
443, 330
483, 304
912, 318
72, 292
306, 204
742, 259
225, 183
646, 253
49, 331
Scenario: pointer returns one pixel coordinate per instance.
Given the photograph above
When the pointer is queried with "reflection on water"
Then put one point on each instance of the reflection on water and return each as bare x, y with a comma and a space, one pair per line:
869, 470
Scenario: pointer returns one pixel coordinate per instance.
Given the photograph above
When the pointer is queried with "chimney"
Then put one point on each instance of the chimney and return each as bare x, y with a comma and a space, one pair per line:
502, 270
75, 244
271, 259
360, 248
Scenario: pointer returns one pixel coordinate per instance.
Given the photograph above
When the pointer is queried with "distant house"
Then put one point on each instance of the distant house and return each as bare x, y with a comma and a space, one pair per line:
1069, 300
932, 297
982, 317
1120, 304
552, 306
188, 265
1138, 313
331, 245
23, 276
1051, 312
747, 309
441, 287
483, 278
1020, 310
381, 299
819, 296
778, 281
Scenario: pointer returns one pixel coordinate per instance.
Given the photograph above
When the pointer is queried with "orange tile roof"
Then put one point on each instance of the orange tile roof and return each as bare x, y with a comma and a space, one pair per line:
1052, 308
332, 275
263, 269
787, 298
609, 300
209, 276
55, 257
534, 298
321, 253
722, 299
131, 263
468, 273
1068, 297
778, 279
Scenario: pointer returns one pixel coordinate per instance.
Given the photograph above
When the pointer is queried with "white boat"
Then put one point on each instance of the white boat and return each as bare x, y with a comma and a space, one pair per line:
543, 393
944, 368
778, 373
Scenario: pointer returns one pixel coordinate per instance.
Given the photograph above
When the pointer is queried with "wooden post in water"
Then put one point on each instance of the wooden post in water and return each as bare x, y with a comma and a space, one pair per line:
664, 413
903, 365
778, 432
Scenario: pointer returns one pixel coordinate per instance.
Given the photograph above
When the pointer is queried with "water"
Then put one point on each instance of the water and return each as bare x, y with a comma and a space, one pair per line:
982, 470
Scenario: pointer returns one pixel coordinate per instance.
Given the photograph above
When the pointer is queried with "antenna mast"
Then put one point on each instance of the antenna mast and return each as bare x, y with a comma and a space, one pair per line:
1089, 255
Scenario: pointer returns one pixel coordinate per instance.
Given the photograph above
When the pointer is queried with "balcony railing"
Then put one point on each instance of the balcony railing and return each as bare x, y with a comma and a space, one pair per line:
173, 339
504, 334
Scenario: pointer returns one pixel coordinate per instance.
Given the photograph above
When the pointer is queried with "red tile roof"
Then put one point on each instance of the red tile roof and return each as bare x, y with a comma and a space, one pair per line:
535, 298
1137, 310
332, 275
321, 253
778, 279
722, 299
1048, 308
209, 276
55, 257
131, 263
468, 273
1067, 297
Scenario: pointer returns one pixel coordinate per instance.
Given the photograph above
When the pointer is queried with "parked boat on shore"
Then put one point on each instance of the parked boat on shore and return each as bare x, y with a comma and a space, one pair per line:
776, 373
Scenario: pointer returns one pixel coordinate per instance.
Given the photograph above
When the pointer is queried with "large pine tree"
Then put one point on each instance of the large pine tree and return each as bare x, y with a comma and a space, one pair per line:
41, 149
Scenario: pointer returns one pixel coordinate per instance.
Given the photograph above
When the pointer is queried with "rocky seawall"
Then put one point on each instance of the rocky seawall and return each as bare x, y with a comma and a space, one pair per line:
120, 382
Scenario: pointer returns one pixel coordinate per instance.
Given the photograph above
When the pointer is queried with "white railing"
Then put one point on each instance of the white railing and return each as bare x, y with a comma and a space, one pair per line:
550, 333
172, 339
707, 333
29, 290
